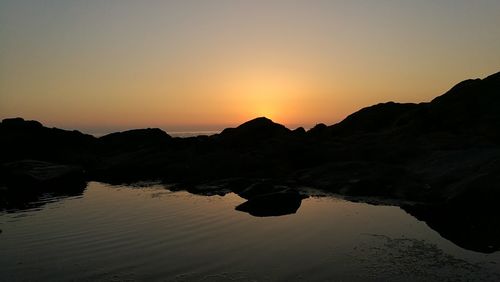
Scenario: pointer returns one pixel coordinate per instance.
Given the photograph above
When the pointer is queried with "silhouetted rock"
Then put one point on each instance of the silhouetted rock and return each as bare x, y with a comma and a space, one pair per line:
20, 139
272, 204
261, 127
376, 118
133, 155
253, 132
22, 183
299, 131
29, 173
357, 178
471, 107
133, 140
318, 130
260, 187
20, 125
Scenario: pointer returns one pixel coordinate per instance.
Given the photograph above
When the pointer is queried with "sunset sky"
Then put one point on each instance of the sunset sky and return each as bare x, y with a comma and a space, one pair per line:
189, 65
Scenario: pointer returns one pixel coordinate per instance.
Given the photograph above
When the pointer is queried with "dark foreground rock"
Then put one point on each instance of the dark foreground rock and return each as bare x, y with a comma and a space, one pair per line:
272, 204
30, 174
22, 183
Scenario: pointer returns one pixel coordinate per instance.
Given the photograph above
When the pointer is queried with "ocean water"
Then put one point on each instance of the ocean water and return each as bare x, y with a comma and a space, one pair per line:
149, 233
184, 134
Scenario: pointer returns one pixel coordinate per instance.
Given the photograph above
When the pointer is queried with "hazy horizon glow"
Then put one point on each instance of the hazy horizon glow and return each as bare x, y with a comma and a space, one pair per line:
206, 64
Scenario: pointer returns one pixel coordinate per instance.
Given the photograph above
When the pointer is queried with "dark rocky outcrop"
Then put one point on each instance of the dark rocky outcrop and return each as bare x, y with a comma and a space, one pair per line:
21, 139
29, 173
286, 201
131, 155
377, 118
254, 130
133, 140
442, 154
23, 182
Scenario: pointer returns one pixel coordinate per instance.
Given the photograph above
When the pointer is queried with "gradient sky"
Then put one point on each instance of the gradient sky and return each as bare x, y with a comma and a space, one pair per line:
183, 65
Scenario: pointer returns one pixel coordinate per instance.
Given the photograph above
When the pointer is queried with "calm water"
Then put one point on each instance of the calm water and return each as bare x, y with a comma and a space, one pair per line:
120, 233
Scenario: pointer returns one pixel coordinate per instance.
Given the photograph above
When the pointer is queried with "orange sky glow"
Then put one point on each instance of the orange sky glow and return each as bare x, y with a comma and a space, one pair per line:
195, 65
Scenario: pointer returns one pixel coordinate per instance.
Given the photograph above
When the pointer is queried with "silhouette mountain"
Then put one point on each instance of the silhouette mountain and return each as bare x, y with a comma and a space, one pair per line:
376, 118
471, 107
254, 131
20, 139
133, 140
443, 154
261, 127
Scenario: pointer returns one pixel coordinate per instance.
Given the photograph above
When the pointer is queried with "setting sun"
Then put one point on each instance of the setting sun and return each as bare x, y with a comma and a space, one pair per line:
266, 93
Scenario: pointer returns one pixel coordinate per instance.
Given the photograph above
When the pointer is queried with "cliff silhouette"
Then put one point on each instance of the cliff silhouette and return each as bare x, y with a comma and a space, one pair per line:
442, 156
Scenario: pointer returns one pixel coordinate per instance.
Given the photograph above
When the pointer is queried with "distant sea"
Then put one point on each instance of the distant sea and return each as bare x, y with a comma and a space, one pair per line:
192, 133
182, 134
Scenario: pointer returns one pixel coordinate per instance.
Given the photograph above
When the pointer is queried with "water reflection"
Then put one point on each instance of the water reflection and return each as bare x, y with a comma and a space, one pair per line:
19, 199
472, 228
150, 233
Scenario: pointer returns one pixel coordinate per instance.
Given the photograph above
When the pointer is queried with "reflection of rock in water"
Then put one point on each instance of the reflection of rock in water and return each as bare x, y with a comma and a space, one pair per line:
13, 202
473, 227
403, 259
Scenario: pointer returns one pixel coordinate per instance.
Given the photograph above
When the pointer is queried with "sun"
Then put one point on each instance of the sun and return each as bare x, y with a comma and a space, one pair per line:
272, 93
265, 110
269, 95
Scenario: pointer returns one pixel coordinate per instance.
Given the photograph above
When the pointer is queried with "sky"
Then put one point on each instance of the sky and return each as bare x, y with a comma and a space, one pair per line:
202, 65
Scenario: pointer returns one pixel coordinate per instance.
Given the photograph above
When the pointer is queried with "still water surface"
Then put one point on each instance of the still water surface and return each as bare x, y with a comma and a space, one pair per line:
124, 233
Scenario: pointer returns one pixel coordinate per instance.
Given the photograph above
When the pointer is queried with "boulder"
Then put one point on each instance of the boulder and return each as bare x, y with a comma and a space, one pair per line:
32, 174
272, 204
253, 132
